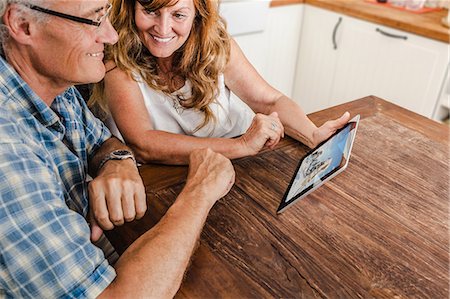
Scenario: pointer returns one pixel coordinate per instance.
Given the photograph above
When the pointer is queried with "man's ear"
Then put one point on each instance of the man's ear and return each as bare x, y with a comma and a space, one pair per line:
18, 24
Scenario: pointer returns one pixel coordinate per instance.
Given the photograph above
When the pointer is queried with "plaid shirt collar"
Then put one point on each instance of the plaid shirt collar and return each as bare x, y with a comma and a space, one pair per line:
15, 88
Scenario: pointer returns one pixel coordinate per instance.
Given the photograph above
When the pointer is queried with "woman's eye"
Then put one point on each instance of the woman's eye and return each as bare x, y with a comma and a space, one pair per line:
179, 16
150, 12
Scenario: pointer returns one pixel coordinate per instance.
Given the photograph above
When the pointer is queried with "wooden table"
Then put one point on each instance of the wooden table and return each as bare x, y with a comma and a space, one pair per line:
379, 229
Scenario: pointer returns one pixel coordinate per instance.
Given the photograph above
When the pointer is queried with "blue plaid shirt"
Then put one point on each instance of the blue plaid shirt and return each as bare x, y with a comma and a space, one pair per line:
45, 247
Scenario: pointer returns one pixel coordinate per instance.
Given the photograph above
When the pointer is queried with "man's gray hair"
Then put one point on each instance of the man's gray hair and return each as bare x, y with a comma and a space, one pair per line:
3, 5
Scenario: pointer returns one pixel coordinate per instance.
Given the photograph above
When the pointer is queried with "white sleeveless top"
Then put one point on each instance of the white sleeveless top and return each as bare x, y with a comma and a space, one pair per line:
232, 116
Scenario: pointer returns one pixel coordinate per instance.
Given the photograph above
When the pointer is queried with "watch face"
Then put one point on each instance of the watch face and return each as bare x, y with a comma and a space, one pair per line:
122, 153
117, 155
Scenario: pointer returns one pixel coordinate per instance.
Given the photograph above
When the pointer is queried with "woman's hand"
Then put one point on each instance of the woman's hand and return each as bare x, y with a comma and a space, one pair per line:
329, 128
265, 130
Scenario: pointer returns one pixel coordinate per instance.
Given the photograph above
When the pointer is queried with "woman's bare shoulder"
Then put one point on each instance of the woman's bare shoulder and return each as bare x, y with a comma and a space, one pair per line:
110, 65
116, 74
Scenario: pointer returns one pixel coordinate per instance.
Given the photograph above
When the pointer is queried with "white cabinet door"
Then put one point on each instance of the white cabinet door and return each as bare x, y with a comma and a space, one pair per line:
252, 45
369, 60
273, 52
401, 67
442, 109
316, 59
357, 63
282, 39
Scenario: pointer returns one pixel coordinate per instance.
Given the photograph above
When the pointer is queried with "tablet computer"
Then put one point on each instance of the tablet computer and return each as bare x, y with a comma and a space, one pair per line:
321, 164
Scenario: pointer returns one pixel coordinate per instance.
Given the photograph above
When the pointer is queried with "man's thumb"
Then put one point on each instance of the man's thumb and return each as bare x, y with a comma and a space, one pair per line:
96, 230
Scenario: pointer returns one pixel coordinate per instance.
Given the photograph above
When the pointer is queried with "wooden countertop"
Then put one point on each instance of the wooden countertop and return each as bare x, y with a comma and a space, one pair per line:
274, 3
377, 230
427, 24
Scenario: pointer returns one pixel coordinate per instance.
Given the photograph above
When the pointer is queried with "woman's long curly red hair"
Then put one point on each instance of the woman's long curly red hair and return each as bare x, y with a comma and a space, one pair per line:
201, 59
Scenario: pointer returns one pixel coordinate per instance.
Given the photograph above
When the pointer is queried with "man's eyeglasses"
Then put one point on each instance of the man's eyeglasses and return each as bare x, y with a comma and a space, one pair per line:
103, 14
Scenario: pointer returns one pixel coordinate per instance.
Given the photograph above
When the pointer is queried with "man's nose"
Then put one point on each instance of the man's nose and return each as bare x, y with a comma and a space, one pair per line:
107, 34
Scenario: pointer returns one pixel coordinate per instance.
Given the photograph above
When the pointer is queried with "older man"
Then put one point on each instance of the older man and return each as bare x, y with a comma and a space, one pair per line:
49, 141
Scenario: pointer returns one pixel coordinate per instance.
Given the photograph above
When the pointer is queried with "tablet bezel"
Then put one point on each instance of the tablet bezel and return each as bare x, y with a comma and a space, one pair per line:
284, 205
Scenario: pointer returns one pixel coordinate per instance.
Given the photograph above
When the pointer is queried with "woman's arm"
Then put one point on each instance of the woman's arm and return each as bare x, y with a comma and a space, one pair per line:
130, 114
243, 80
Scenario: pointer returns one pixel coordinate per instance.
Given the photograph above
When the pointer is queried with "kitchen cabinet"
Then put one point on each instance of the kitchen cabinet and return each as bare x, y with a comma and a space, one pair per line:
273, 51
317, 59
342, 58
443, 105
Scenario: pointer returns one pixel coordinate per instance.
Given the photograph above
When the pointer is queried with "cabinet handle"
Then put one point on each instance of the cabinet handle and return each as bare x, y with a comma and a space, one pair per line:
391, 35
335, 31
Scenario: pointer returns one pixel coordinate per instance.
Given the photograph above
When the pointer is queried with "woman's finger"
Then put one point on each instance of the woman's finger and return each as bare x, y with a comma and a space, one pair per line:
341, 121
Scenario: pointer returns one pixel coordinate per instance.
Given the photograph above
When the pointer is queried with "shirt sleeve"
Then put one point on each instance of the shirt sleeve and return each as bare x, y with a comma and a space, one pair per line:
96, 131
45, 248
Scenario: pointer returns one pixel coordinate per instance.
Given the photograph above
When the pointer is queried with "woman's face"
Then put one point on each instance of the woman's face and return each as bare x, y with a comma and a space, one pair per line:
164, 31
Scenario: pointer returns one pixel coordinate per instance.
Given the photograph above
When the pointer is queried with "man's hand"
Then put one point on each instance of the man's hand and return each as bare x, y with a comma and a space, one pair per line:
211, 175
116, 195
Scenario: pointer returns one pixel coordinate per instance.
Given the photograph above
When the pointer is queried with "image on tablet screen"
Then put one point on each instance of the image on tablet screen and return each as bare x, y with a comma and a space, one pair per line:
315, 167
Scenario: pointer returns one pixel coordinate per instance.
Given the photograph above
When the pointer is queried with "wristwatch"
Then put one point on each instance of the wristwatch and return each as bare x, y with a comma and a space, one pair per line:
117, 155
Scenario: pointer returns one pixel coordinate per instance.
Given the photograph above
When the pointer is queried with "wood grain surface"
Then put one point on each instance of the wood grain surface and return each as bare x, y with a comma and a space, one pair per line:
275, 3
380, 229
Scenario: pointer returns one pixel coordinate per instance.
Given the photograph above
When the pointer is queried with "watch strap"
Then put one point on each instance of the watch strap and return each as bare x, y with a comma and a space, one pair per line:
117, 155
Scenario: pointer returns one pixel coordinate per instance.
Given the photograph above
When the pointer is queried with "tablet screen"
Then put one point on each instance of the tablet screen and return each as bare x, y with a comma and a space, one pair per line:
323, 162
